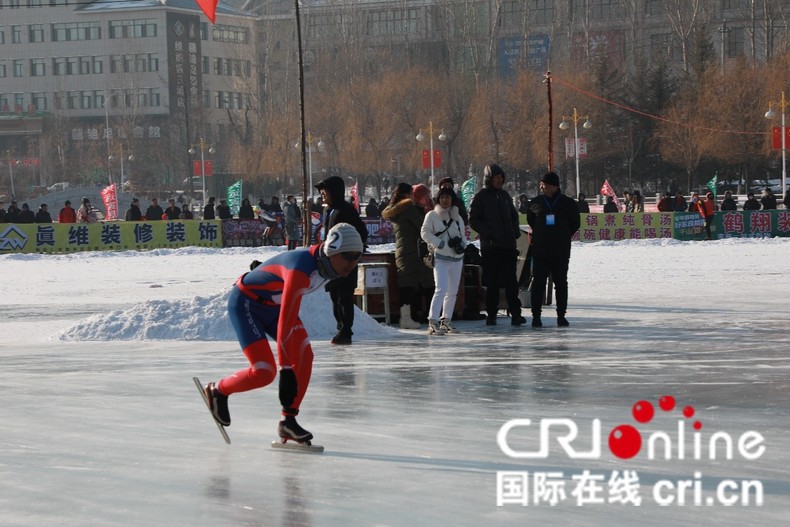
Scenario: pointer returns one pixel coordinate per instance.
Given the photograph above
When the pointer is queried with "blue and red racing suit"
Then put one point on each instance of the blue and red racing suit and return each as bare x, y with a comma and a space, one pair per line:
266, 301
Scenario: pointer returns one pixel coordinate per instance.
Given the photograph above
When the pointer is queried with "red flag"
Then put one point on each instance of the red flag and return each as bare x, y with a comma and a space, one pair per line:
109, 196
355, 194
607, 190
209, 7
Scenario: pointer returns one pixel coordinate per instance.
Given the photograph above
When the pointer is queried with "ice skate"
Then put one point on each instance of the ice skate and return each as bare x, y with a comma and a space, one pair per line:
204, 393
434, 328
218, 404
447, 326
289, 430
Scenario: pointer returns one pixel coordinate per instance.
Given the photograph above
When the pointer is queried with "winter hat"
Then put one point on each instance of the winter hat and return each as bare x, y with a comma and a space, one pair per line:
551, 178
343, 238
422, 196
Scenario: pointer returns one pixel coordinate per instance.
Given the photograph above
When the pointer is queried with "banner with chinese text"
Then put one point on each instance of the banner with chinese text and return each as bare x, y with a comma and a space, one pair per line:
621, 226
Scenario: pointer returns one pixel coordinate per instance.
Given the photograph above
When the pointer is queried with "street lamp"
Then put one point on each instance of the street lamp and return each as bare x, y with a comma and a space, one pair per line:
11, 173
320, 145
770, 114
130, 157
564, 126
421, 137
203, 146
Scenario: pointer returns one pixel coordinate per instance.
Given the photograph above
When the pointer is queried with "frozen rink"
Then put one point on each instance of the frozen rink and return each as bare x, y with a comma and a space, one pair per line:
111, 431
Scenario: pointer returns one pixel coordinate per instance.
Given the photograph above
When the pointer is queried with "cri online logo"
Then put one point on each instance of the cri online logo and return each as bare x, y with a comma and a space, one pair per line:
626, 441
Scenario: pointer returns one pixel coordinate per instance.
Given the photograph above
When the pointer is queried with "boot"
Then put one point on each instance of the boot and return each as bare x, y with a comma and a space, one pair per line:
288, 428
218, 404
405, 318
434, 328
447, 326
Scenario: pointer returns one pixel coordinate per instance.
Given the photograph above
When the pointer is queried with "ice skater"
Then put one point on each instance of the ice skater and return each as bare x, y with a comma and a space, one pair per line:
265, 301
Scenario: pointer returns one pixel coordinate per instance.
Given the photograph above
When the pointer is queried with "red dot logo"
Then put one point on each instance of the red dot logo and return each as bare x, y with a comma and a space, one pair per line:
667, 403
643, 411
688, 412
625, 441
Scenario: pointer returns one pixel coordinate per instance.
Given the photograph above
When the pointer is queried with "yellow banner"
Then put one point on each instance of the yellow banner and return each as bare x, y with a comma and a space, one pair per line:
625, 226
108, 236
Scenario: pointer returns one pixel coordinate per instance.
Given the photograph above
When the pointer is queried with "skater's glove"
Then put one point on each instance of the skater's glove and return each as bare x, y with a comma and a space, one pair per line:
287, 387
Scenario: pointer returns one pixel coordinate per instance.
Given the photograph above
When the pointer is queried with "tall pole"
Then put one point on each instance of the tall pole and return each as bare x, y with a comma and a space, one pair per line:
576, 146
784, 148
121, 167
107, 135
551, 120
310, 161
299, 56
430, 134
203, 167
11, 173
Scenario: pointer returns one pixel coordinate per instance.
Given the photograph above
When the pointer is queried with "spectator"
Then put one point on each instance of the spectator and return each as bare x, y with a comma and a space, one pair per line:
665, 204
86, 213
523, 203
444, 231
43, 216
372, 210
262, 205
447, 182
610, 205
186, 213
786, 201
26, 215
67, 214
728, 203
133, 213
274, 206
385, 201
494, 217
768, 200
292, 219
341, 291
554, 220
12, 214
318, 206
707, 210
751, 202
208, 210
415, 280
679, 205
628, 202
172, 212
2, 212
223, 211
245, 211
638, 201
154, 212
582, 204
694, 202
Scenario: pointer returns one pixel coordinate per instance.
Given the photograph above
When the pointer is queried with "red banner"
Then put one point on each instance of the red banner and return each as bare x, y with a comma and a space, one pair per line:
607, 190
355, 195
109, 196
209, 7
208, 167
426, 158
776, 137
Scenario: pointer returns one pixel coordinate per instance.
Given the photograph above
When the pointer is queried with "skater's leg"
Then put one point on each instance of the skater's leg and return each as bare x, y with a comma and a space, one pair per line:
300, 353
262, 370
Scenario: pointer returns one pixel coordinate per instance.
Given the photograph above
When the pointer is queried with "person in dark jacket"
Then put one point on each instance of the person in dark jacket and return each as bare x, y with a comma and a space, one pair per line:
679, 205
786, 201
610, 206
494, 217
12, 214
372, 210
245, 211
582, 204
26, 215
43, 216
186, 213
751, 202
768, 200
728, 203
523, 203
154, 212
665, 203
223, 211
208, 210
2, 212
133, 213
341, 290
172, 212
554, 218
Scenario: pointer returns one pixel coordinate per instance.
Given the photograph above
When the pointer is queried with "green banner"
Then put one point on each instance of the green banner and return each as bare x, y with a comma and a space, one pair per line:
751, 224
109, 236
234, 197
468, 191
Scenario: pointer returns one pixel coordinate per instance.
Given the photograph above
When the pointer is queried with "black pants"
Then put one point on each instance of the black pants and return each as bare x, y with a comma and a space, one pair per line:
708, 221
499, 272
541, 269
341, 291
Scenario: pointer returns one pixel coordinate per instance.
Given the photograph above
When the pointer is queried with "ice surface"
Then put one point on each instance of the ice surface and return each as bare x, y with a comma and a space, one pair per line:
103, 426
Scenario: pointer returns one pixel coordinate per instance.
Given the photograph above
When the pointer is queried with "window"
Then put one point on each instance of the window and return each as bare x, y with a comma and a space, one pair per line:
654, 7
39, 100
542, 11
2, 35
19, 100
2, 70
85, 65
86, 100
232, 34
71, 65
206, 65
511, 13
34, 3
154, 98
37, 68
204, 31
736, 42
98, 64
392, 22
16, 34
58, 66
217, 66
36, 33
66, 32
17, 68
133, 28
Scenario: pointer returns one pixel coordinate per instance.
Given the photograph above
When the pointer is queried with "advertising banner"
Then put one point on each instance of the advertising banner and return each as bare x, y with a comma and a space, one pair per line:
631, 226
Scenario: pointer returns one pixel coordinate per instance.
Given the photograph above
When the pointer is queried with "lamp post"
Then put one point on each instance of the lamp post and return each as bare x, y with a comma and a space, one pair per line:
320, 145
564, 126
421, 137
11, 173
203, 146
130, 157
770, 114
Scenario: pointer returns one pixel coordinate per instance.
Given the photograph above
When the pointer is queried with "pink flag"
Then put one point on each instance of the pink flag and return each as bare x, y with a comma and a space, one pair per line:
109, 196
355, 195
607, 190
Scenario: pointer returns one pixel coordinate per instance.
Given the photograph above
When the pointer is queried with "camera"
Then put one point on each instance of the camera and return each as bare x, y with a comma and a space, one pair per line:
457, 244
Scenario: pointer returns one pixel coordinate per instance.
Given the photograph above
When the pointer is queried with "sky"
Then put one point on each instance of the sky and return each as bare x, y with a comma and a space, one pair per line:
103, 425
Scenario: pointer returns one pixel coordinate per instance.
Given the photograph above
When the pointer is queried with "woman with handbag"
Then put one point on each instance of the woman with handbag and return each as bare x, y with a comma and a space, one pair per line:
415, 280
443, 231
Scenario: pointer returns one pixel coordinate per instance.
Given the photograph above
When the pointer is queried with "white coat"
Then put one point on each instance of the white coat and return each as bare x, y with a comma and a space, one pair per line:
437, 221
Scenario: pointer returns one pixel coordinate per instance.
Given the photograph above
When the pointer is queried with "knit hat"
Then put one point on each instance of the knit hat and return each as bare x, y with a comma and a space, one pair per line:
551, 178
343, 238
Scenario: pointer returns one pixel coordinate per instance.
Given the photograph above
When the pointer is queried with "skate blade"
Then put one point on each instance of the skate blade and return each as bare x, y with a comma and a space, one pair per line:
205, 400
297, 447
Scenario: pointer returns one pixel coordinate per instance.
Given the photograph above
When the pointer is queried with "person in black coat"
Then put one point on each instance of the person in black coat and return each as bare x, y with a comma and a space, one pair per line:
768, 200
43, 216
751, 202
172, 212
12, 214
582, 204
133, 213
554, 218
610, 206
223, 211
26, 215
154, 212
245, 211
728, 203
494, 217
208, 210
341, 290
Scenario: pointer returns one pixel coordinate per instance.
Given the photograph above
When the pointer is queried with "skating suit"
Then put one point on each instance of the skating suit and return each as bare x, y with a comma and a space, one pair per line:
266, 301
